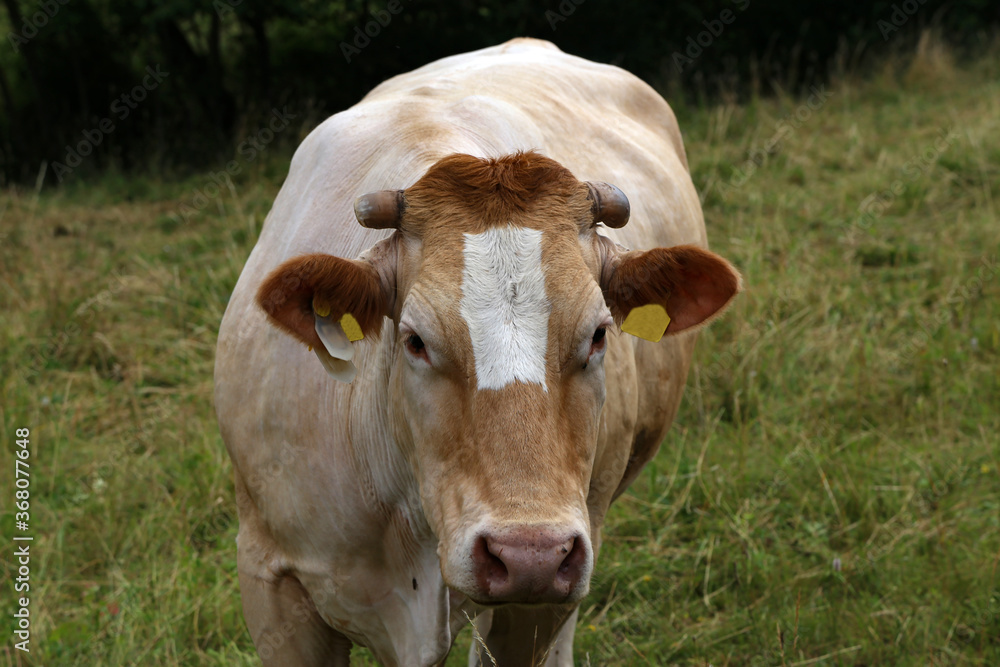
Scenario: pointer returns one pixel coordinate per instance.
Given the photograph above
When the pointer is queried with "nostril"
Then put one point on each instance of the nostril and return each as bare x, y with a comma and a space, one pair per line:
568, 549
572, 565
490, 567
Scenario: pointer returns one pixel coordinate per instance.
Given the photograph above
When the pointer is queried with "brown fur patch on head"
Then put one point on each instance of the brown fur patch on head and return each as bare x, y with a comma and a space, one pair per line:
693, 284
346, 286
487, 192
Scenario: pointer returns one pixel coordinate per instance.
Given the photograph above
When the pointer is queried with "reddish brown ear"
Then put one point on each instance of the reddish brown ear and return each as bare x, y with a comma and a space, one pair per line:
691, 283
347, 286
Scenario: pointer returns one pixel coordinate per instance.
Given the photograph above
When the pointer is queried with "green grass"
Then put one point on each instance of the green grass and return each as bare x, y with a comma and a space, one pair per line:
846, 410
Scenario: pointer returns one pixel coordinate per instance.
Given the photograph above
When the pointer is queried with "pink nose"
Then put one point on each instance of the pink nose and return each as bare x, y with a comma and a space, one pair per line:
529, 565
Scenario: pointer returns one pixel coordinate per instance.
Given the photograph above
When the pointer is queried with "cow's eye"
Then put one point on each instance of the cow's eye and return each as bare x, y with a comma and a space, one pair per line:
599, 340
415, 346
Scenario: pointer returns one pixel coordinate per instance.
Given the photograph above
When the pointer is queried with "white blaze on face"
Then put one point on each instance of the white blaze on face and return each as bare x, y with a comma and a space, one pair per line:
505, 307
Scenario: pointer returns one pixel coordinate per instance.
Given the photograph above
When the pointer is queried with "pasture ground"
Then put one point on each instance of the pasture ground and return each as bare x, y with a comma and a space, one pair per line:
829, 494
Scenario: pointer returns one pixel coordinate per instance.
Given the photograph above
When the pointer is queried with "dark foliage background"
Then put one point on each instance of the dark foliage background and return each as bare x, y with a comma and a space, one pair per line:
230, 63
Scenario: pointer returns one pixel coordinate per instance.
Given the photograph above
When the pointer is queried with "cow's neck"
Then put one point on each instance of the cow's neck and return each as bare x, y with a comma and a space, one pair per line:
386, 478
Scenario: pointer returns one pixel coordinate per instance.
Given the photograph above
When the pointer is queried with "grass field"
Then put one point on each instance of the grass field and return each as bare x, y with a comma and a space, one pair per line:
829, 494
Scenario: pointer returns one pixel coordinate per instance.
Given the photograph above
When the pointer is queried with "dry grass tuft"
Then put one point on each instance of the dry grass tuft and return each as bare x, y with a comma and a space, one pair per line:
933, 62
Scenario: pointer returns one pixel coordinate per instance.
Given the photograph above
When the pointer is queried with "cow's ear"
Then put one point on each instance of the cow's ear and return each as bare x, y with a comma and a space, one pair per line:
326, 302
664, 291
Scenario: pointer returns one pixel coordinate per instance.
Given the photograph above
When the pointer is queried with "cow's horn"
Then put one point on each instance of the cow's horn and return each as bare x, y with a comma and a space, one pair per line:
380, 210
608, 204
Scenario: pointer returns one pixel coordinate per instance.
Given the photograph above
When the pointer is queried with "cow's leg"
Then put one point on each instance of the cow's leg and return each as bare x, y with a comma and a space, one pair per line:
481, 628
285, 627
520, 635
281, 617
561, 654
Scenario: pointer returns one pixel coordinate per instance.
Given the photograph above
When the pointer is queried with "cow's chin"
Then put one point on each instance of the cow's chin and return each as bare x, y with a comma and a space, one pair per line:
512, 562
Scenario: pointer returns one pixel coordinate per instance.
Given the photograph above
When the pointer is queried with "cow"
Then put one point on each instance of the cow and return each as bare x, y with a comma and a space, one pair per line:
426, 375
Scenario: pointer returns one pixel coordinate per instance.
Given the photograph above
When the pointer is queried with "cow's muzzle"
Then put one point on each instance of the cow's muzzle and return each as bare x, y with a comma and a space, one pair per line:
530, 565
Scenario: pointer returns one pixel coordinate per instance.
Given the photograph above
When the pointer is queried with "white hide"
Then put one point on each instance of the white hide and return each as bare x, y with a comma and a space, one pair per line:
505, 307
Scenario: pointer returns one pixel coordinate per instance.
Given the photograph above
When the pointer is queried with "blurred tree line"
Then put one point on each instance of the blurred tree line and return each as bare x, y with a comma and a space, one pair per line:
168, 85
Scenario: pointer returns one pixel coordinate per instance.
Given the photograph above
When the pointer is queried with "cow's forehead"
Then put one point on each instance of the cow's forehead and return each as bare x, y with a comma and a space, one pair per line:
502, 262
462, 194
463, 198
510, 302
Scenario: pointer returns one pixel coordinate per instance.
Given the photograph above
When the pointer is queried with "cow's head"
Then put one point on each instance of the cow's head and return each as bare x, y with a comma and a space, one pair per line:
504, 300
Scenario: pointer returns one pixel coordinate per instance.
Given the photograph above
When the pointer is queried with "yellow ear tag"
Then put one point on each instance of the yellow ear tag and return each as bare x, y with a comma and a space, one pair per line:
351, 327
320, 307
648, 322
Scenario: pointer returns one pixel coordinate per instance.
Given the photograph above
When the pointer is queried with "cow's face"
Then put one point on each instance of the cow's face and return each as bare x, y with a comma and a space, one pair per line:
505, 301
